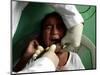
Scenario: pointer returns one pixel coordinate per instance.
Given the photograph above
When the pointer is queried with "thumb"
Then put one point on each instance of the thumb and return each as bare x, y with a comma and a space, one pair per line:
40, 48
52, 48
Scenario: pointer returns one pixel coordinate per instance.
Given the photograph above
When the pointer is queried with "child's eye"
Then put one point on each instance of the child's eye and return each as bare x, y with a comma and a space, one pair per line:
48, 27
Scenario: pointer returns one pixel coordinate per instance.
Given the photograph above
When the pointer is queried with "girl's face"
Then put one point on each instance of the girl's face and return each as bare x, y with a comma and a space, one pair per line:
53, 30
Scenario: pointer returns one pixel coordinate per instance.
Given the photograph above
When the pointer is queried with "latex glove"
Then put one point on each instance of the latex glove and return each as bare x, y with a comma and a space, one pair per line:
34, 49
39, 50
69, 14
51, 55
26, 56
62, 9
73, 36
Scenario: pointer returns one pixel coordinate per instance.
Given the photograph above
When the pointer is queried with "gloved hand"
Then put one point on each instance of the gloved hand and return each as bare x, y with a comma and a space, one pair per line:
39, 50
51, 55
73, 36
33, 47
61, 9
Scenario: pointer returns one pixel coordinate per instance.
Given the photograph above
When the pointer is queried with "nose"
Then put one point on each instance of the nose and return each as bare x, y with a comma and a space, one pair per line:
55, 33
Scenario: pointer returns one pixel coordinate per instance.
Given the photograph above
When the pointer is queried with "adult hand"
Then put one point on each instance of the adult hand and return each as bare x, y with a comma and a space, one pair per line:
33, 45
51, 55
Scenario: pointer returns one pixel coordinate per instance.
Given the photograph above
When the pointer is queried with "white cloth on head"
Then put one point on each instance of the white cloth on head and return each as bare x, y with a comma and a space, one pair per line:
69, 13
73, 21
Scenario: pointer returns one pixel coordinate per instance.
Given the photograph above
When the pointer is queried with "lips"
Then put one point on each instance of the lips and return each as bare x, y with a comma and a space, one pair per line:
55, 41
54, 37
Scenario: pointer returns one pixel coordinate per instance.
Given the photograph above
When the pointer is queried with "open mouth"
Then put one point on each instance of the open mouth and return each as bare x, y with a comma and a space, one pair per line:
55, 41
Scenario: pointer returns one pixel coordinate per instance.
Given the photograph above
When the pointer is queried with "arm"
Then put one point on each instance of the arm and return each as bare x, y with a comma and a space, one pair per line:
26, 56
48, 62
73, 36
42, 64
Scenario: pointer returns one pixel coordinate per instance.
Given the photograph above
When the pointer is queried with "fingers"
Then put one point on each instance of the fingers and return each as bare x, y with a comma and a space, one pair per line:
35, 44
52, 48
47, 49
31, 49
39, 50
50, 54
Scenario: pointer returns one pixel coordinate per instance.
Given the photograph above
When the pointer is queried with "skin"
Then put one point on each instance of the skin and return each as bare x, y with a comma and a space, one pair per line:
53, 30
26, 56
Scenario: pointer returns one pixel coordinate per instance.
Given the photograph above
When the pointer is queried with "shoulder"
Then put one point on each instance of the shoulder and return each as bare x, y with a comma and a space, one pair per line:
76, 60
74, 57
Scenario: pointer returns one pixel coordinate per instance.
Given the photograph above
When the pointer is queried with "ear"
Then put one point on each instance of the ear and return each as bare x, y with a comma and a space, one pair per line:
73, 36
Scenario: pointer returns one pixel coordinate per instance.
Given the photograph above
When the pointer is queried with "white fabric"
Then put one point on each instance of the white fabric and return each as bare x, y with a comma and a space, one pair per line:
71, 19
73, 36
73, 63
69, 13
17, 8
44, 64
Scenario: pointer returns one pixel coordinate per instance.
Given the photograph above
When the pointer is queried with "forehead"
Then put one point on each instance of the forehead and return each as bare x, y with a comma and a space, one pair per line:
53, 20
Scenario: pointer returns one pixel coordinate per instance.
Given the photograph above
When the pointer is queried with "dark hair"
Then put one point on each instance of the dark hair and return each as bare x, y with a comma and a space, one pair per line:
53, 14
